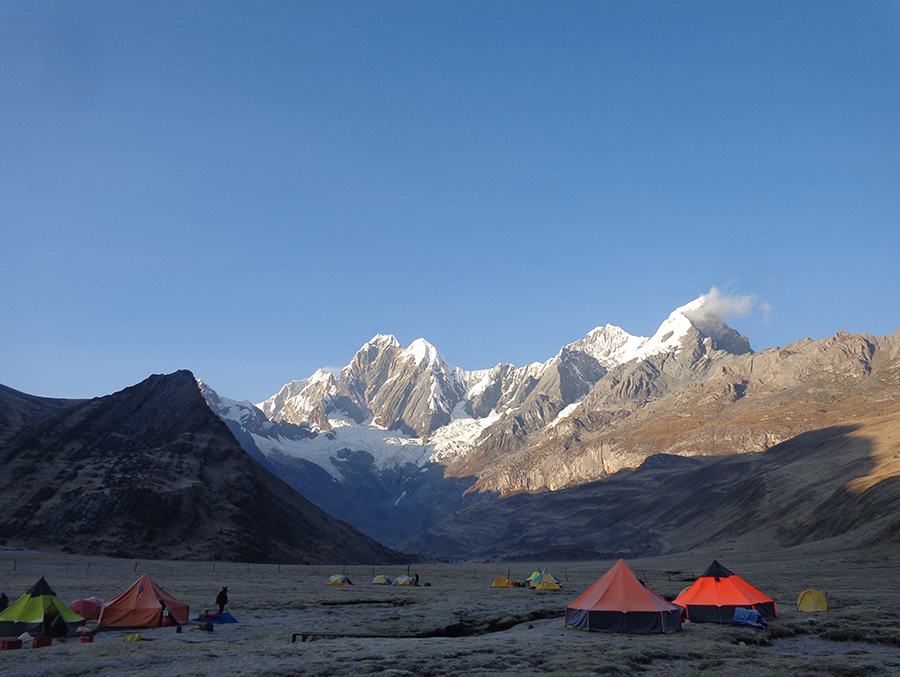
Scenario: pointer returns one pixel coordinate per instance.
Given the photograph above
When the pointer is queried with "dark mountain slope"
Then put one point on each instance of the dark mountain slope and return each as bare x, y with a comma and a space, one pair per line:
152, 472
18, 410
839, 482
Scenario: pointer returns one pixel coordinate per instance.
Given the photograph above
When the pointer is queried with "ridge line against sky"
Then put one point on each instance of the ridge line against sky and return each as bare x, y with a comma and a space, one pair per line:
253, 190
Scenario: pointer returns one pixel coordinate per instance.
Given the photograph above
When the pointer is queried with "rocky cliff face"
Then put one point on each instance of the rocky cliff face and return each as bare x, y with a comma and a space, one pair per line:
151, 472
701, 402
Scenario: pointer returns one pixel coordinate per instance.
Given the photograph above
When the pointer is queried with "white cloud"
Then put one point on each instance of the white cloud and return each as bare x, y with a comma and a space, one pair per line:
716, 308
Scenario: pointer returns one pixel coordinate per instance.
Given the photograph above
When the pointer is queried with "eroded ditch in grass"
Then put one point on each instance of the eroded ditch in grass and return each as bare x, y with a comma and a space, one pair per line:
473, 627
386, 602
466, 627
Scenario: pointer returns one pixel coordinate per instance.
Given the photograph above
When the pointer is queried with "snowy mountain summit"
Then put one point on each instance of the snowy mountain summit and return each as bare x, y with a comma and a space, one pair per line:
396, 425
410, 404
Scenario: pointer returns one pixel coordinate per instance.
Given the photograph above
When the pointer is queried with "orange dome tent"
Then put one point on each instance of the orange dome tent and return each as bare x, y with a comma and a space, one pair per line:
141, 606
718, 592
619, 602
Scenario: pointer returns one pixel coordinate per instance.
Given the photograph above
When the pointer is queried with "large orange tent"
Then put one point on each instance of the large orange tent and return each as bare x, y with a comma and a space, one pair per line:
619, 602
141, 606
718, 592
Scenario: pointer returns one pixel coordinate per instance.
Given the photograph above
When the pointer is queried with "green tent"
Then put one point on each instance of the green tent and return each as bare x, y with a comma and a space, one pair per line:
549, 580
40, 613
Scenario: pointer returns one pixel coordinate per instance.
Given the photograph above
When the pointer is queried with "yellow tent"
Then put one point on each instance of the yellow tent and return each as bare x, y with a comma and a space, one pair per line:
338, 579
404, 580
381, 580
812, 600
545, 581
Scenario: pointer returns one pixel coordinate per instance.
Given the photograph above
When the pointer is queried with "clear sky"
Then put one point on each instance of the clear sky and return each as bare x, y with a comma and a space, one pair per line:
252, 190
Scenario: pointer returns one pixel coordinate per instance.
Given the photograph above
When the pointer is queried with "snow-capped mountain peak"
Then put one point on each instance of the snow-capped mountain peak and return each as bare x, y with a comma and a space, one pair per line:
421, 351
609, 345
412, 397
671, 332
382, 341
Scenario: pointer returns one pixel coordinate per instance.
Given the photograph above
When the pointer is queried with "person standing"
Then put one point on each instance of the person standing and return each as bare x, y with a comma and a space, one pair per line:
222, 599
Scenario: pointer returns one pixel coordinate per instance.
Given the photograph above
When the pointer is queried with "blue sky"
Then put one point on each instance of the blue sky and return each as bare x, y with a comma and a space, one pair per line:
253, 190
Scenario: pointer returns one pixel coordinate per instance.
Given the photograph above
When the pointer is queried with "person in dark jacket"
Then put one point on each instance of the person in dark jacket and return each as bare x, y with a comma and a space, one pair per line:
222, 599
4, 601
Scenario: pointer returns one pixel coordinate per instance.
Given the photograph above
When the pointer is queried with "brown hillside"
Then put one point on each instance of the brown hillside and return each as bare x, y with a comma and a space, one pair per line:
741, 404
839, 482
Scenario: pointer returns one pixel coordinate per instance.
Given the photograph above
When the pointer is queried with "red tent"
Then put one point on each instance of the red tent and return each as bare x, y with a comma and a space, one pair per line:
619, 602
717, 593
88, 608
141, 606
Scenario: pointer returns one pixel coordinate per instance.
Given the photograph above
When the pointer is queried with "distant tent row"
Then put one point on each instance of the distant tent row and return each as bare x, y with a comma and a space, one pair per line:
340, 579
539, 580
40, 613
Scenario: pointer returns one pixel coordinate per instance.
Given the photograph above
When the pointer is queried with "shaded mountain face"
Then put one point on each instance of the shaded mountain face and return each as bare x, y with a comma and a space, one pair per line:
841, 482
151, 472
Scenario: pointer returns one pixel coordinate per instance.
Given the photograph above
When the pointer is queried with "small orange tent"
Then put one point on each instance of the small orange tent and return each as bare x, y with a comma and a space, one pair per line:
502, 582
141, 606
619, 602
718, 592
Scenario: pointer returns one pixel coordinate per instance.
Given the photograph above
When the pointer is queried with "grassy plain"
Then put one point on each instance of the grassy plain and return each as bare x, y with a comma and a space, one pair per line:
478, 630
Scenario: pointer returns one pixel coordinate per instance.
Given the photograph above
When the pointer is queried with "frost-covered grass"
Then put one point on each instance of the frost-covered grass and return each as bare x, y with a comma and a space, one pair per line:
271, 602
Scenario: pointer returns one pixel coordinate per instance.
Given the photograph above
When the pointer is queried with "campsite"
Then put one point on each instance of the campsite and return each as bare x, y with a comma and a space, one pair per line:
466, 626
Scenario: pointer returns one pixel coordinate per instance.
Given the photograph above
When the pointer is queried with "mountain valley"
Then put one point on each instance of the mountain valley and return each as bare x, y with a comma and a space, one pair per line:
616, 446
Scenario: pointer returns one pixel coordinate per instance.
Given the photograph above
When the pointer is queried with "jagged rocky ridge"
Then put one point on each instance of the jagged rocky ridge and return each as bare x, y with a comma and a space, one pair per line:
151, 472
406, 433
